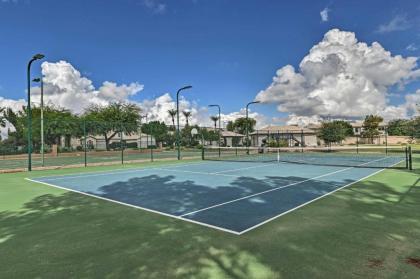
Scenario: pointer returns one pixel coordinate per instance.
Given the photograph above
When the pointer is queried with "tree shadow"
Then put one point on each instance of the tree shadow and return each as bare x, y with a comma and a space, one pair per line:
70, 235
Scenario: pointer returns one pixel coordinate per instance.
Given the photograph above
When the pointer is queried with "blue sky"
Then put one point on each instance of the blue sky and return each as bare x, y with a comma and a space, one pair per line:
228, 50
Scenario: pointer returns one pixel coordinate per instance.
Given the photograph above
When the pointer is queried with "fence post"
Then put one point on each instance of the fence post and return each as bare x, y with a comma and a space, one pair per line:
151, 143
357, 144
301, 139
121, 144
410, 158
84, 141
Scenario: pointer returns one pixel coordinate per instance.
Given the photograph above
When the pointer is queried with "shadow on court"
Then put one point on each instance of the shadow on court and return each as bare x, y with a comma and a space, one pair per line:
69, 235
230, 207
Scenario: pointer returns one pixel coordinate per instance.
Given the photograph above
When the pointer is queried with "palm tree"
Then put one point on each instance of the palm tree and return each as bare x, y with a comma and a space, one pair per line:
214, 119
172, 113
187, 115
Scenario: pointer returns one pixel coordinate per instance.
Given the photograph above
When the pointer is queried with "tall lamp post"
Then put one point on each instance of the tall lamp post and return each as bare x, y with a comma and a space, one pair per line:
42, 117
177, 118
247, 123
220, 128
35, 57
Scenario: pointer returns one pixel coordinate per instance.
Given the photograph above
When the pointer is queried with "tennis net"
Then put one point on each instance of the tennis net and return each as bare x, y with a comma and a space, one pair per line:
363, 157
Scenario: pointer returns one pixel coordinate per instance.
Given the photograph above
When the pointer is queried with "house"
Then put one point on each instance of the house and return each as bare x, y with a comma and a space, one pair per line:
358, 128
291, 135
231, 139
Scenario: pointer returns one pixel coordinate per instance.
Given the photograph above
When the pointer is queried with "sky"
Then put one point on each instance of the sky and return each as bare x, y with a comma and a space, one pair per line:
304, 60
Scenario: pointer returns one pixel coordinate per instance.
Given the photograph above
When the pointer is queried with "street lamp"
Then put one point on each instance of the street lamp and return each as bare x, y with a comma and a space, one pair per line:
247, 123
42, 117
35, 57
220, 129
177, 118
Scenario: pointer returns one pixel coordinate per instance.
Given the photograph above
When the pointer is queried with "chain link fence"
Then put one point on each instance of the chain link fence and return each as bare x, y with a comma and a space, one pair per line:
89, 143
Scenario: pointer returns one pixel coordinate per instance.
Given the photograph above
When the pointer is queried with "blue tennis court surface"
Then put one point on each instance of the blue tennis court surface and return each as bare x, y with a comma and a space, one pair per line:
231, 196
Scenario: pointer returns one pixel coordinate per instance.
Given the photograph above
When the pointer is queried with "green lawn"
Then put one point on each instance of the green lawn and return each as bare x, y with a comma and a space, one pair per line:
368, 230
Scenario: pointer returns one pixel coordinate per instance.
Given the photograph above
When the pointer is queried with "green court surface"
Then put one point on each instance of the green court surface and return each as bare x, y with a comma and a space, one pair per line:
368, 230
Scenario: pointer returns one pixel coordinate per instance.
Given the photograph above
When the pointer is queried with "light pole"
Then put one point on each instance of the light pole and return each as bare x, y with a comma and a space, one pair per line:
29, 112
247, 123
177, 118
220, 128
42, 117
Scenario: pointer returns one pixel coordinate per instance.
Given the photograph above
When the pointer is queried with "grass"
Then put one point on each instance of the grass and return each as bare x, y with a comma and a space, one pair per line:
368, 230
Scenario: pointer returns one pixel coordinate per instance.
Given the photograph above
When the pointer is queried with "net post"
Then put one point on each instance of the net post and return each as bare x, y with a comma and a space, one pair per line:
406, 157
278, 155
386, 140
410, 159
84, 142
121, 144
202, 153
357, 144
151, 143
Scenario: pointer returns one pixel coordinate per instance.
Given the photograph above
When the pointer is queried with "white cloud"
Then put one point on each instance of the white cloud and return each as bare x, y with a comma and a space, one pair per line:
15, 105
411, 47
340, 77
64, 86
155, 5
157, 109
303, 121
398, 23
324, 14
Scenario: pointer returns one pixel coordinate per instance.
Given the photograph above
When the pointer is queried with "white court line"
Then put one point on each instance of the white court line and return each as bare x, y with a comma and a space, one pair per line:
313, 200
271, 190
198, 172
246, 168
135, 206
193, 221
117, 171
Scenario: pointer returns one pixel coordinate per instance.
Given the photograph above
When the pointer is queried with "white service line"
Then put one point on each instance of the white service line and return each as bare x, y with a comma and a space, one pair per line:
271, 190
246, 168
198, 172
118, 171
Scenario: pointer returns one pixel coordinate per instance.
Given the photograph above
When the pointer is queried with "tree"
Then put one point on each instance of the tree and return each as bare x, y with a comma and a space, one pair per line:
186, 137
110, 120
241, 123
335, 131
371, 126
172, 114
399, 127
58, 122
214, 119
157, 129
348, 129
210, 135
230, 126
415, 128
187, 115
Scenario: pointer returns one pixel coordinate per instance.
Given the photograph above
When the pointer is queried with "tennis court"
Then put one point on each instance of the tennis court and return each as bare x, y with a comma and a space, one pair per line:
233, 196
